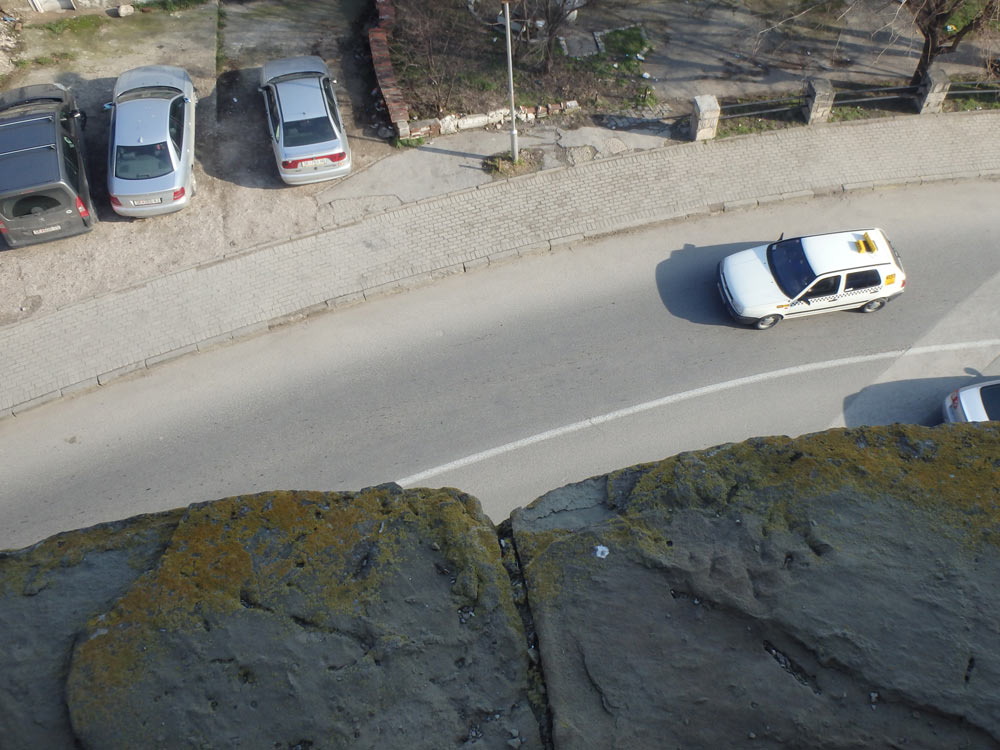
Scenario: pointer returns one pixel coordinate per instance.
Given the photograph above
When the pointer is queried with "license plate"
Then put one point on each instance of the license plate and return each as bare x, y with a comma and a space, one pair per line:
311, 162
147, 201
46, 230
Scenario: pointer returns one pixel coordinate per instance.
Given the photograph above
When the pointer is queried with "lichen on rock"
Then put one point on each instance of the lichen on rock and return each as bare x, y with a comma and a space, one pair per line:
768, 589
327, 616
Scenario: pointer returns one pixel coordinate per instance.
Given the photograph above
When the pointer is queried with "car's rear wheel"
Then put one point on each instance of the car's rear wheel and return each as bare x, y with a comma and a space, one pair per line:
873, 305
768, 321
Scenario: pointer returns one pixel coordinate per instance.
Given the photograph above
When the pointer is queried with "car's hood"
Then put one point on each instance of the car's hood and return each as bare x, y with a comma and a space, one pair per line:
749, 280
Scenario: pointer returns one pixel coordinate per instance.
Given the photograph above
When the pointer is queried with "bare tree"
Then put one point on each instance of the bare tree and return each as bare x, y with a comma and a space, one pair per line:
433, 35
543, 22
945, 23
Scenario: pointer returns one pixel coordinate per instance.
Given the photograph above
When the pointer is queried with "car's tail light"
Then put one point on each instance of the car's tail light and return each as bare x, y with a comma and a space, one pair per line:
903, 285
82, 209
178, 194
115, 201
334, 157
3, 228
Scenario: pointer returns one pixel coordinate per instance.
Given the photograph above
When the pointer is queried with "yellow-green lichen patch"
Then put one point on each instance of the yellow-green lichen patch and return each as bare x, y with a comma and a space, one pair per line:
321, 559
25, 571
468, 541
949, 471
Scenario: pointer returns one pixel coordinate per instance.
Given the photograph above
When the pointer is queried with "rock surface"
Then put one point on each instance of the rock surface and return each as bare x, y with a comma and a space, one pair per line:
831, 591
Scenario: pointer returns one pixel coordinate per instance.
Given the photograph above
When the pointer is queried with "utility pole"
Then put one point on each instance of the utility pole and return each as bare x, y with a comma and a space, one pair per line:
510, 85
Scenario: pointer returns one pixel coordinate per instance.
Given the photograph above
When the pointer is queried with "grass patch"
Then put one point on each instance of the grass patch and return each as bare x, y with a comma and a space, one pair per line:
763, 124
171, 5
625, 42
500, 165
75, 25
408, 142
54, 58
220, 55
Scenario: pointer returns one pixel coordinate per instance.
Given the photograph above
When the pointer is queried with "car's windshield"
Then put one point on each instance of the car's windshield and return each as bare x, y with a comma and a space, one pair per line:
308, 132
143, 162
789, 266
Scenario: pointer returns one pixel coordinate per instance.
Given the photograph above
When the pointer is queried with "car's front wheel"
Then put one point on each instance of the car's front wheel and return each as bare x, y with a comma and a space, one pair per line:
768, 321
873, 305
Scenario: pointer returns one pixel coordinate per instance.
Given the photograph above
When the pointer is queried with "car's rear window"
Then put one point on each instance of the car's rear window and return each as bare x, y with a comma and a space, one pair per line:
143, 162
310, 131
991, 401
149, 92
789, 266
39, 202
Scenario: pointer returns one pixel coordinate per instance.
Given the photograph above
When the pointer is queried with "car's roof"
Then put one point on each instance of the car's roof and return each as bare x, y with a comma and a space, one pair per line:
839, 251
150, 76
141, 121
308, 64
301, 98
27, 148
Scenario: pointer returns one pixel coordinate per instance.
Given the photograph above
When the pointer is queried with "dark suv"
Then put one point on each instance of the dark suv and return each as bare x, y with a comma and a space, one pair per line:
44, 193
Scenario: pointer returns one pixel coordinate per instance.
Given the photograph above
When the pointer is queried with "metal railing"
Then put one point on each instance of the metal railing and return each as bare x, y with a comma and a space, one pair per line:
876, 94
960, 89
757, 108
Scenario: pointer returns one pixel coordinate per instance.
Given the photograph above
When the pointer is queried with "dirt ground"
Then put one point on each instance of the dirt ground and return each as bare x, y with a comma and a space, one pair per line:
241, 201
697, 47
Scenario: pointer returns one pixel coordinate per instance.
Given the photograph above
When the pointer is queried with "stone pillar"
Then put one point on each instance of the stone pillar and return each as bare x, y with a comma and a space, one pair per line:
704, 118
933, 89
819, 100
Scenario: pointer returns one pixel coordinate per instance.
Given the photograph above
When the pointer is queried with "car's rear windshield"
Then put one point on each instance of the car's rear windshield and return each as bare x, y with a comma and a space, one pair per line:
991, 401
789, 266
150, 92
310, 131
143, 162
37, 203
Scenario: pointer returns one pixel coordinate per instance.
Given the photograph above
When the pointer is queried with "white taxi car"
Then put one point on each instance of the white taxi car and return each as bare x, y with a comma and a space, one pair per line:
810, 275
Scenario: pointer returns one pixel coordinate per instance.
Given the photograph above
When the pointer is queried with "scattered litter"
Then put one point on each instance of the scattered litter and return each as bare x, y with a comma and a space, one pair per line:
639, 56
235, 100
601, 551
645, 75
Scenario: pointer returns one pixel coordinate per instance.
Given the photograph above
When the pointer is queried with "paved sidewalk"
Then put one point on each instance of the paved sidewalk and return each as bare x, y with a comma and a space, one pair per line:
91, 343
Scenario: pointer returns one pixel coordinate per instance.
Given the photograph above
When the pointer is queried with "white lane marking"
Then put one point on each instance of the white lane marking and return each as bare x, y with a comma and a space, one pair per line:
684, 396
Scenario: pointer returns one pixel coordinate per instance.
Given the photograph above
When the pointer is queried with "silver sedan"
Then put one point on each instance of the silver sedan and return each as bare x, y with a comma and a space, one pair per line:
303, 118
151, 143
974, 403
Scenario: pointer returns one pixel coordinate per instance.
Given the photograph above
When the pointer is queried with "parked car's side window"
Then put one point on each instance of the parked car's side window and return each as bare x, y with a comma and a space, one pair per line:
72, 163
823, 288
177, 122
862, 280
272, 111
331, 101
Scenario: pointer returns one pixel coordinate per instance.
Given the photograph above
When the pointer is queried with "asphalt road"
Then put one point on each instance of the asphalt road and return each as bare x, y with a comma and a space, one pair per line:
519, 378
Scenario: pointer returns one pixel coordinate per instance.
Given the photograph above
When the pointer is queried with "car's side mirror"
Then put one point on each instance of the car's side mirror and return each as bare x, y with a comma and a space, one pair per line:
108, 106
79, 114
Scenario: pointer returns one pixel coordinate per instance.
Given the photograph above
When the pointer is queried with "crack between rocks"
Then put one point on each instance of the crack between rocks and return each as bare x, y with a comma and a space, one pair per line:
519, 593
